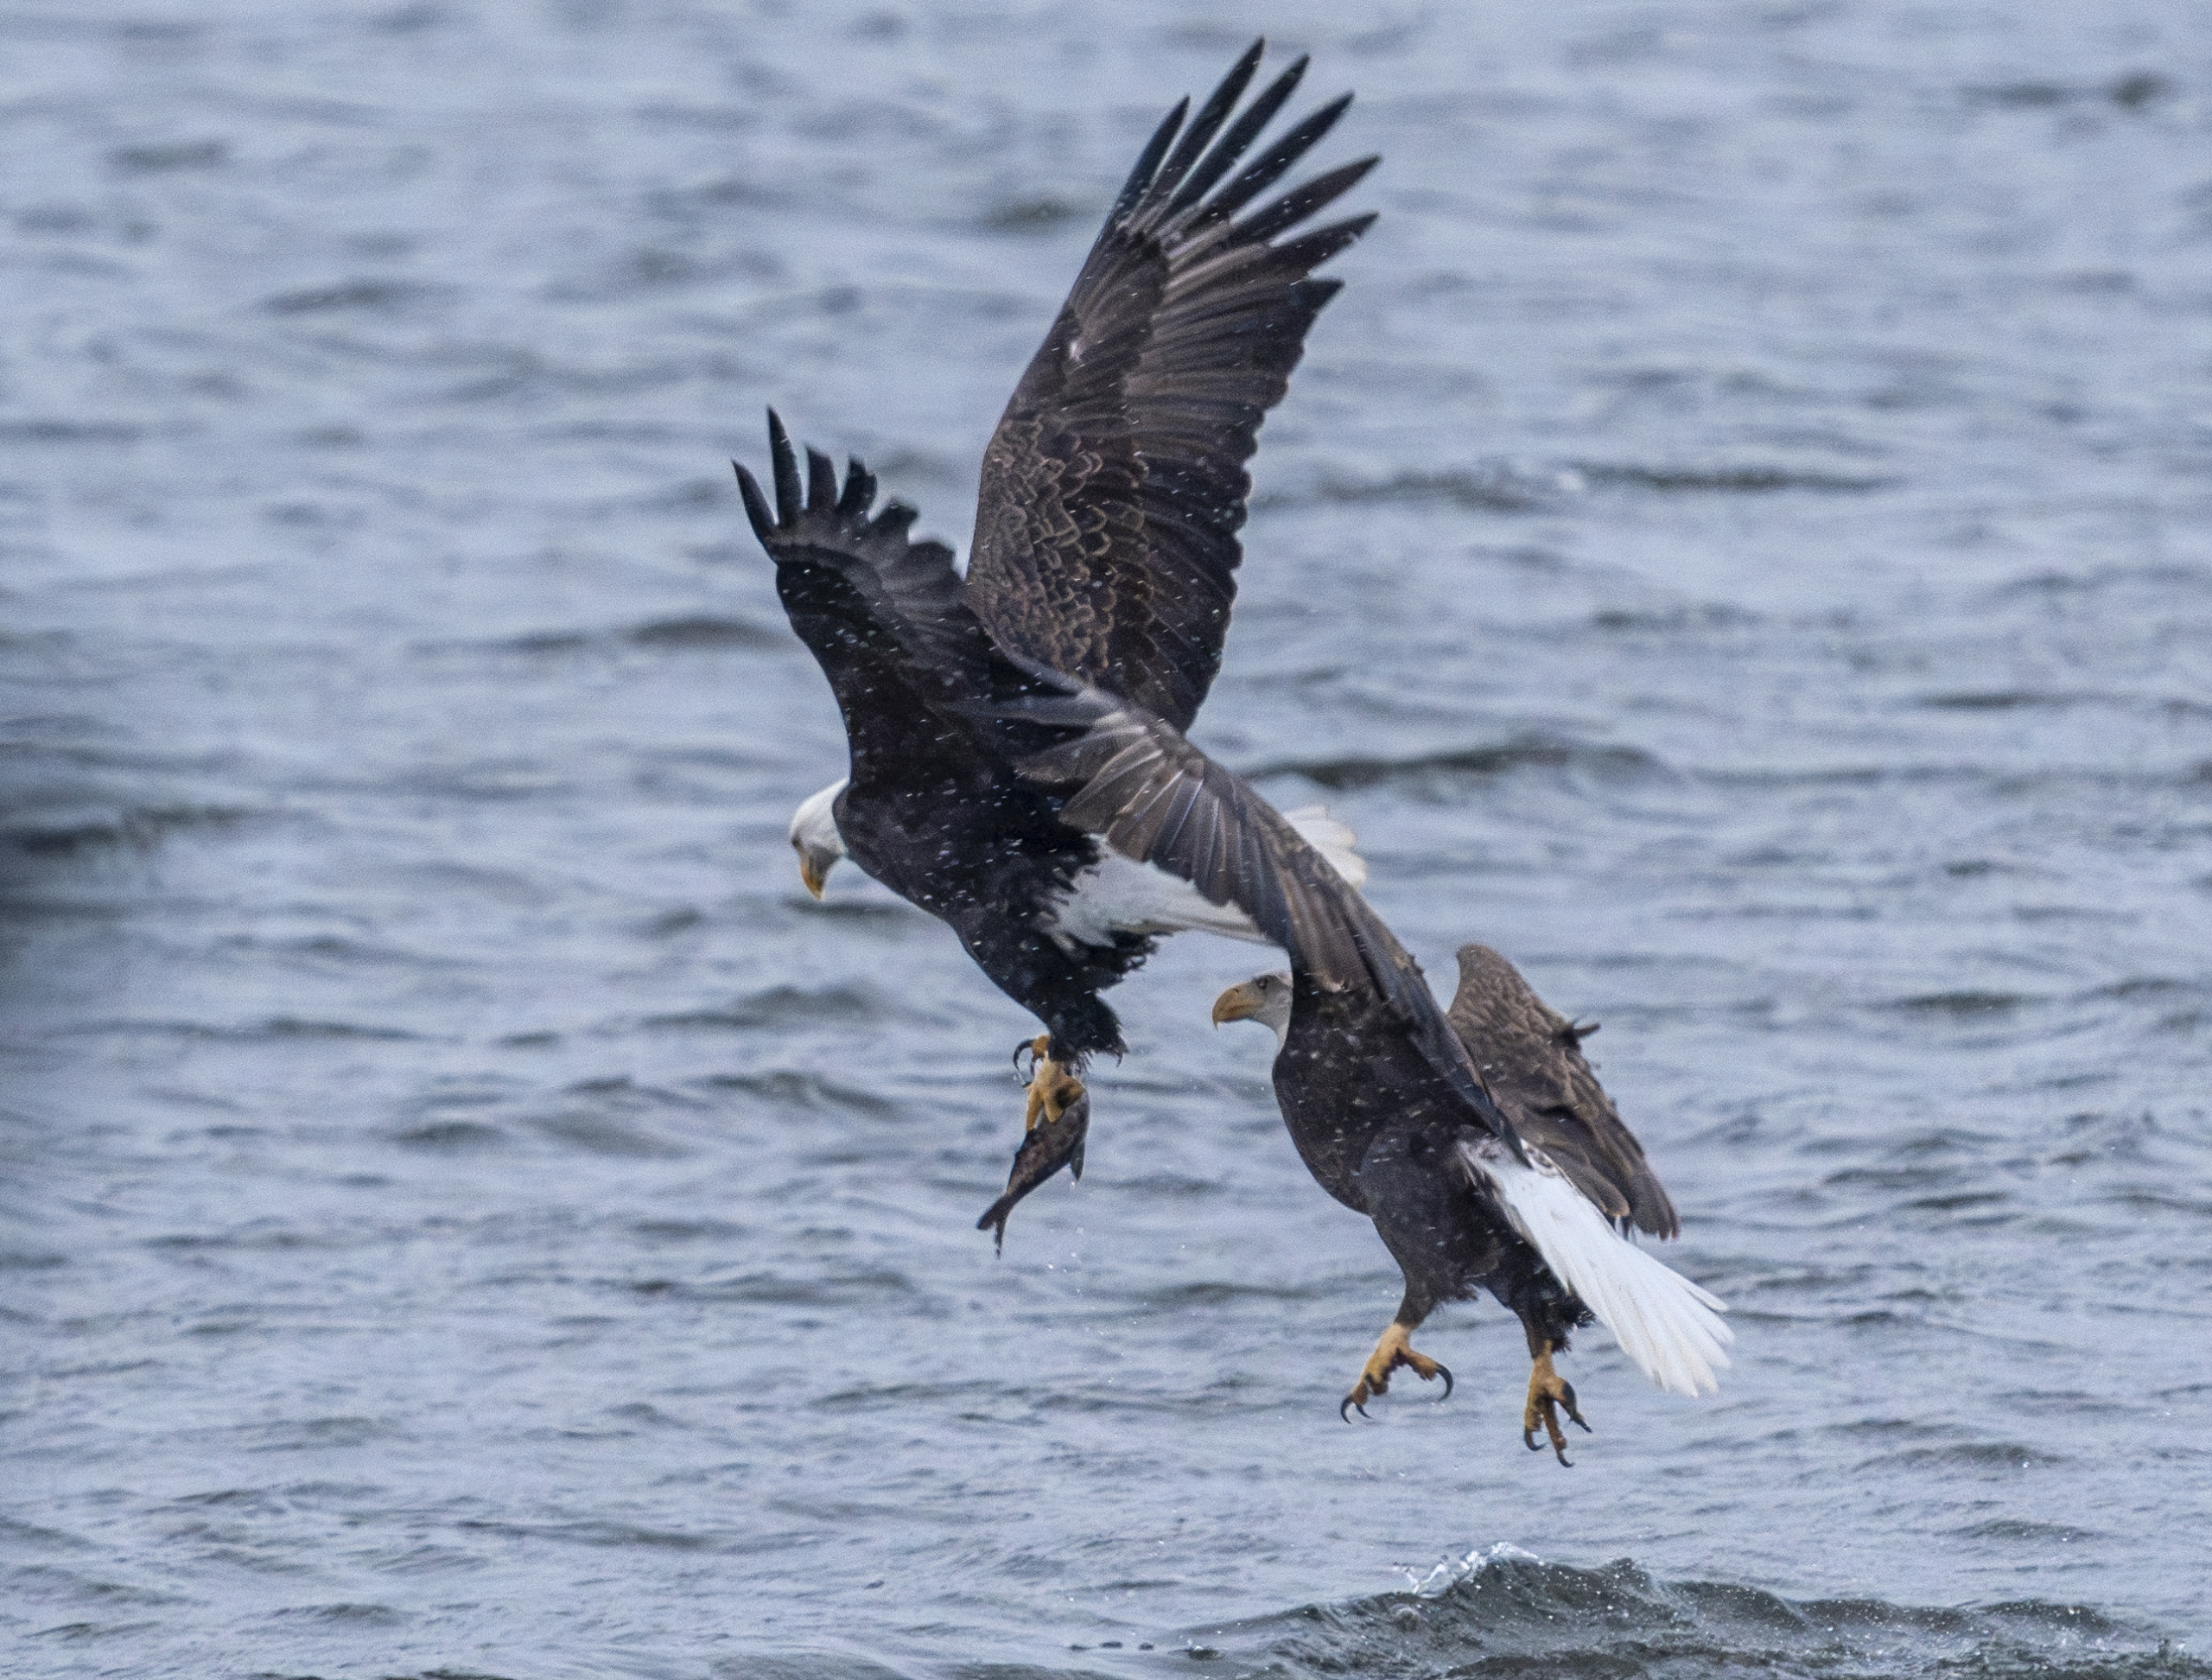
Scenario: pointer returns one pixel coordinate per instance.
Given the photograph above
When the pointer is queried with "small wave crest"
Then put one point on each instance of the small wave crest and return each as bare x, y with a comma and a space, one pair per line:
1504, 1610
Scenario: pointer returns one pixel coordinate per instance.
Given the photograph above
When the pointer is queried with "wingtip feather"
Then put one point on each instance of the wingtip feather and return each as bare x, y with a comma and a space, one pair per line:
1271, 165
1147, 163
1211, 115
860, 489
788, 503
820, 483
756, 506
1238, 140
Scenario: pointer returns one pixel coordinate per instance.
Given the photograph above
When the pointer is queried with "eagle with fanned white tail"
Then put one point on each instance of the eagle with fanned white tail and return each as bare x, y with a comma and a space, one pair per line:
1106, 548
1581, 1184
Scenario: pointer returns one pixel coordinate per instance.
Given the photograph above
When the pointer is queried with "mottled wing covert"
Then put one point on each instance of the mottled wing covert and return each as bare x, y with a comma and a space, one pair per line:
1530, 1056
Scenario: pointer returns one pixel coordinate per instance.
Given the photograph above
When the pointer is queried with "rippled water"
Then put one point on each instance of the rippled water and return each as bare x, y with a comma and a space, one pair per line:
1739, 544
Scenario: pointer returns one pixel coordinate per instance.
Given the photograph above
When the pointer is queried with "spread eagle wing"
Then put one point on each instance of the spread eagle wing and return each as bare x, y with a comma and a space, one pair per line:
1115, 487
1530, 1056
1132, 779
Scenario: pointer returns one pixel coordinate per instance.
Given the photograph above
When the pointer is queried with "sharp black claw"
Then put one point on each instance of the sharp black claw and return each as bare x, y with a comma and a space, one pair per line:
1345, 1411
1529, 1440
1445, 1371
1574, 1414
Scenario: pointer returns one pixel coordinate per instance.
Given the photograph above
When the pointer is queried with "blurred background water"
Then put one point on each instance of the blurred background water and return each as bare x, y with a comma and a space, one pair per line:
1738, 544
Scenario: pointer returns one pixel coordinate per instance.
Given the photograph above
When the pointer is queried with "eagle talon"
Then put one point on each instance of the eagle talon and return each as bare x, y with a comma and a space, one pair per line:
1548, 1393
1394, 1349
1052, 1089
1567, 1400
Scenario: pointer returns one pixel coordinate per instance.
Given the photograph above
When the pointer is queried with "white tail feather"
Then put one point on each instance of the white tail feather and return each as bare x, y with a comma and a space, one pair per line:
1664, 1322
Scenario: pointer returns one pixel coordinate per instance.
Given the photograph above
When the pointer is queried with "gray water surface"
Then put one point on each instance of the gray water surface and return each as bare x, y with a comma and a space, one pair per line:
1739, 544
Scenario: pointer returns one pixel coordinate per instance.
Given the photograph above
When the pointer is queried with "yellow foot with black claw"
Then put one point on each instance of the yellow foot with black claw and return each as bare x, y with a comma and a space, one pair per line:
1394, 1349
1548, 1392
1052, 1089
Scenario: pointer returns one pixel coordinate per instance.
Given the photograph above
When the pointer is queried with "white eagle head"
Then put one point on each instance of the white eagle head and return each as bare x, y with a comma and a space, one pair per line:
815, 837
1265, 998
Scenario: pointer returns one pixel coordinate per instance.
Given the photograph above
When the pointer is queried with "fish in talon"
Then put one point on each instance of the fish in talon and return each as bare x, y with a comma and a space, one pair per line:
1056, 1126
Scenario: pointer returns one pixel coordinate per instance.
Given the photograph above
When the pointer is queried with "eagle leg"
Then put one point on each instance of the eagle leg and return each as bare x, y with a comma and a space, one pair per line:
1052, 1089
1395, 1348
1548, 1392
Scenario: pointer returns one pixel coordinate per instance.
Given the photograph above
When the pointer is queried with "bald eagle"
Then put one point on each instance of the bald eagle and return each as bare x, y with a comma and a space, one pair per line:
1544, 1236
1105, 548
1479, 1142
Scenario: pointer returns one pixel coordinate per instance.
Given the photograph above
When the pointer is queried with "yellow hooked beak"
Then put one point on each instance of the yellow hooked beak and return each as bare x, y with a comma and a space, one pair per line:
813, 871
1240, 1002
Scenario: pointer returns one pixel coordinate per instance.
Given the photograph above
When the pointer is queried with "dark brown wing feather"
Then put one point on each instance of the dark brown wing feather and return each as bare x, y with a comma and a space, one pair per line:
1529, 1054
917, 590
1115, 487
1133, 780
816, 517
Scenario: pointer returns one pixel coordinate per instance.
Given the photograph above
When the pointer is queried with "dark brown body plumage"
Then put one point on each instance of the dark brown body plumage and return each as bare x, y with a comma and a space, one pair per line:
1376, 1124
1379, 1127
